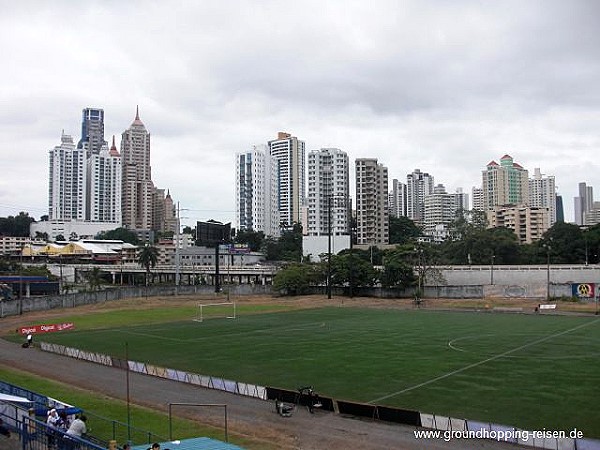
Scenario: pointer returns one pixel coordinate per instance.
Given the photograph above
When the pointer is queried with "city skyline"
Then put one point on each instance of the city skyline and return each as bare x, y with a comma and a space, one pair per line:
444, 88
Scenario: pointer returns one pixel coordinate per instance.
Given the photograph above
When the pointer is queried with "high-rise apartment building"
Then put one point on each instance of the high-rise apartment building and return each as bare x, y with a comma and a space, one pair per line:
92, 130
104, 185
289, 152
584, 202
418, 186
441, 209
256, 191
506, 183
478, 199
372, 215
164, 214
397, 199
528, 223
542, 193
137, 189
328, 192
67, 191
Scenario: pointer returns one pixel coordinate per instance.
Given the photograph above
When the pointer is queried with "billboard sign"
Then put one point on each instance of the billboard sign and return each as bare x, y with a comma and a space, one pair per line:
584, 290
49, 328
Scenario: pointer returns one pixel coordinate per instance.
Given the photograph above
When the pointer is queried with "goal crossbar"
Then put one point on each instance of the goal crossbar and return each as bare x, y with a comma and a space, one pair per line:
228, 308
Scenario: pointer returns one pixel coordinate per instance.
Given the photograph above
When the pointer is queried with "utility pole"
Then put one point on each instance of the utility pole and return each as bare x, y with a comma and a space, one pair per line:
177, 262
329, 247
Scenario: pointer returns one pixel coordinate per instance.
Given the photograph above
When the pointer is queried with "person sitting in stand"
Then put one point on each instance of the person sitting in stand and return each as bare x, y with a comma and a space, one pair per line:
78, 427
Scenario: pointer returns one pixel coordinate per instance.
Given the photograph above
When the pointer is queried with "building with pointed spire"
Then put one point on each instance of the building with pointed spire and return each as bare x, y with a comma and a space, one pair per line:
137, 186
104, 185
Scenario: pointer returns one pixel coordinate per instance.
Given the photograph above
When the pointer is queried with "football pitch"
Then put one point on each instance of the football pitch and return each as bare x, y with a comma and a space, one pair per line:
528, 371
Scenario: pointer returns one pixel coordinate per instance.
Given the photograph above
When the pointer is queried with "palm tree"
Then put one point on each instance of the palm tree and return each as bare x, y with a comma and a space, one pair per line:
148, 257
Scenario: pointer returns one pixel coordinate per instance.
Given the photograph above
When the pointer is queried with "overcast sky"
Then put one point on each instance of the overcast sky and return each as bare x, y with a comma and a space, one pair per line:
442, 86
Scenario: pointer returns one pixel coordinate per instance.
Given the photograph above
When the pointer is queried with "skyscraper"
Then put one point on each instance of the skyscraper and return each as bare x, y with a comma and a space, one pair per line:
397, 199
289, 152
256, 191
506, 183
440, 211
542, 193
104, 185
478, 200
584, 202
328, 192
371, 202
67, 191
137, 183
418, 185
92, 130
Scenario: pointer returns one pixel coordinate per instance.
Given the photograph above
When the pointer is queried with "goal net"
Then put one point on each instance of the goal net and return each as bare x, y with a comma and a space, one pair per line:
223, 310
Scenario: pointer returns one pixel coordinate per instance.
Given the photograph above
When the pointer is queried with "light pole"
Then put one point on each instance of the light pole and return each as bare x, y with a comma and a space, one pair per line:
329, 247
419, 252
492, 270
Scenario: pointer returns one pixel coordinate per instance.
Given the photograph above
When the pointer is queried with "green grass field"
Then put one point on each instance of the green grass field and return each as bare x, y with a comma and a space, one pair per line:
528, 371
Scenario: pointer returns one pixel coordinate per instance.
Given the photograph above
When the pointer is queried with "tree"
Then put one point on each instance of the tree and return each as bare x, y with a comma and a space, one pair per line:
294, 279
403, 230
564, 243
397, 269
94, 279
287, 248
348, 268
17, 226
59, 237
253, 239
591, 238
42, 236
119, 234
147, 258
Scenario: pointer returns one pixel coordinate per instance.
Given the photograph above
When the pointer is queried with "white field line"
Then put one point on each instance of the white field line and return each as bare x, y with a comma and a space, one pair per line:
492, 358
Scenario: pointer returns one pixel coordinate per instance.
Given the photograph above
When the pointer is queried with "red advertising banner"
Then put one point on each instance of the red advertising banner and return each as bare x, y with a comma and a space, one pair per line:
50, 328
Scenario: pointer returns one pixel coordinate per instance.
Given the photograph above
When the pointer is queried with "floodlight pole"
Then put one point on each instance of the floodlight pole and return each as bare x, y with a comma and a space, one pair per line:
329, 247
349, 218
548, 272
217, 280
177, 262
492, 270
128, 398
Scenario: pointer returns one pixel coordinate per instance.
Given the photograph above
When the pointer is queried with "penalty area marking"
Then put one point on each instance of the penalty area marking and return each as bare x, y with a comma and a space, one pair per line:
588, 354
479, 363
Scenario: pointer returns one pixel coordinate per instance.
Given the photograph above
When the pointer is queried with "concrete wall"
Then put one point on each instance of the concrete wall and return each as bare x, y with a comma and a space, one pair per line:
509, 275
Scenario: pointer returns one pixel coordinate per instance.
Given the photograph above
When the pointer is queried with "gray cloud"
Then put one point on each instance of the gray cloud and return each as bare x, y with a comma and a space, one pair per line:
441, 86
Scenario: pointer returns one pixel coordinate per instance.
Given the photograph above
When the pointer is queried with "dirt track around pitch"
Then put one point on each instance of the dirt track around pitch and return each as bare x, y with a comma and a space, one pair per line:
253, 418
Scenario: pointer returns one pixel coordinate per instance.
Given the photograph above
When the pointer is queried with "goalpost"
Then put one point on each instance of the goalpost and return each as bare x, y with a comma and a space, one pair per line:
223, 310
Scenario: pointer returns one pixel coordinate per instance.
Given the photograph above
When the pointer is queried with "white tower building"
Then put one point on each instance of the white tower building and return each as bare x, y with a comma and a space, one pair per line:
418, 185
104, 185
328, 192
67, 181
542, 193
289, 152
256, 191
397, 199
